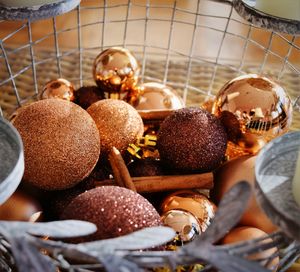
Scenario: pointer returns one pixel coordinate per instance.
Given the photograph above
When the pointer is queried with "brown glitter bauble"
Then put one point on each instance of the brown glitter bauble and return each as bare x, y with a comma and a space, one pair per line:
192, 139
86, 96
58, 88
156, 96
119, 124
254, 110
19, 207
114, 210
195, 203
116, 71
61, 143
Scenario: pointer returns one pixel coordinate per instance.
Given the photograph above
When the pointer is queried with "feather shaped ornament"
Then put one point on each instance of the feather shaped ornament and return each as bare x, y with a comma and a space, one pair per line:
23, 245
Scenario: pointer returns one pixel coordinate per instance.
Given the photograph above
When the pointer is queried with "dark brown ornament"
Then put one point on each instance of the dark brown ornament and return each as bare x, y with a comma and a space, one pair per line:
87, 95
192, 139
116, 211
145, 167
58, 88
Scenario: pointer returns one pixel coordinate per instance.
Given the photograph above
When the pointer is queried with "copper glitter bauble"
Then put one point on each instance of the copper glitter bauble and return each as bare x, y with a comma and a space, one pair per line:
116, 71
254, 110
184, 223
195, 203
156, 96
58, 88
191, 139
61, 143
114, 210
119, 124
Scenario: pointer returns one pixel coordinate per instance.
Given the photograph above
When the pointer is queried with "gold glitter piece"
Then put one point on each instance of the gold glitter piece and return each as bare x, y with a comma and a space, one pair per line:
147, 140
134, 150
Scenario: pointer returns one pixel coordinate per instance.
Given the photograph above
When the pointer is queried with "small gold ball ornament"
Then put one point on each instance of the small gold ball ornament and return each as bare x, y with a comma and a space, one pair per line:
184, 223
116, 71
254, 110
195, 203
58, 88
157, 96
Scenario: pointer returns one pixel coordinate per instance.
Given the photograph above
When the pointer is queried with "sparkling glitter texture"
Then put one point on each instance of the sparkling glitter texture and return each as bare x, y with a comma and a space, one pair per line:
116, 71
58, 88
192, 139
116, 211
254, 110
156, 96
61, 143
119, 124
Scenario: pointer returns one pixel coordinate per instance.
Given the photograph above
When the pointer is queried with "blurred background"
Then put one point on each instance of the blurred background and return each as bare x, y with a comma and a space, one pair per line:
195, 46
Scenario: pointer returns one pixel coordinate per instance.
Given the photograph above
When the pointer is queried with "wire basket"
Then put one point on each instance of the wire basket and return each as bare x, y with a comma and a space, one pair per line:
194, 46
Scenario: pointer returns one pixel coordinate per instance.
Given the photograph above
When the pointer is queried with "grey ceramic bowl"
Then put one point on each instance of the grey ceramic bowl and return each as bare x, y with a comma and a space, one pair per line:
11, 160
274, 170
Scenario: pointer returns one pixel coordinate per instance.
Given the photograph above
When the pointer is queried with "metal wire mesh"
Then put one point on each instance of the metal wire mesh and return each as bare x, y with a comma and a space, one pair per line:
194, 46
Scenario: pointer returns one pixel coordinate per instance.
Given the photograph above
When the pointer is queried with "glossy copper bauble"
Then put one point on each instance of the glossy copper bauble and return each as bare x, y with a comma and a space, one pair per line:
195, 203
116, 71
58, 88
254, 110
156, 96
184, 223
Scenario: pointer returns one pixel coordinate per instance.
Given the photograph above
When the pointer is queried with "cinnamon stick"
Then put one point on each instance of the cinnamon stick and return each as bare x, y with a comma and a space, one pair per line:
154, 115
119, 168
168, 183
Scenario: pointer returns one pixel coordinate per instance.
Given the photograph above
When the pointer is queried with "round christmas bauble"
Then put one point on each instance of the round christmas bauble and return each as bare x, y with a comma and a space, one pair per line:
184, 223
195, 203
114, 210
254, 110
119, 124
19, 207
116, 70
156, 96
88, 95
61, 143
58, 88
191, 139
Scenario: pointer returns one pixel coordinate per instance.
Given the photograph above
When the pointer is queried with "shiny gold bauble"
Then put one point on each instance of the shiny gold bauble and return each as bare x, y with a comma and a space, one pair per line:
116, 71
254, 110
156, 96
195, 203
58, 88
184, 223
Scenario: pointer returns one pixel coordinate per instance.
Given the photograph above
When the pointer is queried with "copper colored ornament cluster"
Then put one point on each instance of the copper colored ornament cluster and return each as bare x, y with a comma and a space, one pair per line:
69, 135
